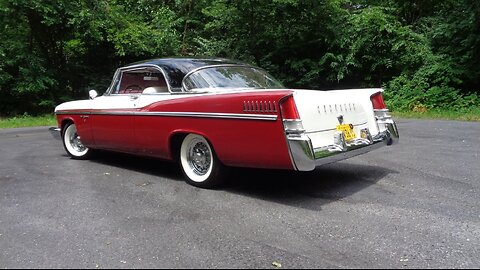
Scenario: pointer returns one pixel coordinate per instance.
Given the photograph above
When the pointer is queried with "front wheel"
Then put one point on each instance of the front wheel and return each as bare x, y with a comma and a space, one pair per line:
72, 143
199, 164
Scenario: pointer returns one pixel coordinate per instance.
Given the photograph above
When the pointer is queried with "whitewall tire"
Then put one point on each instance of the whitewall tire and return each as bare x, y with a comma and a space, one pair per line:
72, 143
199, 163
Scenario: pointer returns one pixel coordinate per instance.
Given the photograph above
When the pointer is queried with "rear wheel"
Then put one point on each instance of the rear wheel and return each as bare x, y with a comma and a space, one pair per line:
72, 143
199, 164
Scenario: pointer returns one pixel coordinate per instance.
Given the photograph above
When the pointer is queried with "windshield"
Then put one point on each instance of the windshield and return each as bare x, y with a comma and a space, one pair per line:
229, 78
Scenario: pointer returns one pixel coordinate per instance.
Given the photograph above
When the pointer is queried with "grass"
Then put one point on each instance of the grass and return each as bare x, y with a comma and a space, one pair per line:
466, 115
28, 121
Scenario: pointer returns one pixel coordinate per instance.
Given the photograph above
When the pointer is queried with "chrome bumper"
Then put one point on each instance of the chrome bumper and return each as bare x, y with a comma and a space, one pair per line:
55, 131
306, 158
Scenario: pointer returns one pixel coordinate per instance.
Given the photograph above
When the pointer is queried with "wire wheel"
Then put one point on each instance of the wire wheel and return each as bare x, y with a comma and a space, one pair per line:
199, 163
73, 144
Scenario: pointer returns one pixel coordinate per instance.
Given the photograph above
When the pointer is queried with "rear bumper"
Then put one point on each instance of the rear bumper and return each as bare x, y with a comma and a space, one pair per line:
55, 132
306, 158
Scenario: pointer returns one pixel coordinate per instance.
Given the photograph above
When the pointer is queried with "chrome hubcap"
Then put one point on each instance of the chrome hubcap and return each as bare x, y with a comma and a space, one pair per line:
199, 157
75, 142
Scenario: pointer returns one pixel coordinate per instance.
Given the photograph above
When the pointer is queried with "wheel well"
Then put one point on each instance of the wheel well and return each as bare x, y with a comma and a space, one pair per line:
175, 144
65, 122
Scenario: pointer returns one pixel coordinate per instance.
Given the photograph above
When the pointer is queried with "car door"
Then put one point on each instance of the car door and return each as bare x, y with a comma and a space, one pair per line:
151, 124
113, 114
112, 121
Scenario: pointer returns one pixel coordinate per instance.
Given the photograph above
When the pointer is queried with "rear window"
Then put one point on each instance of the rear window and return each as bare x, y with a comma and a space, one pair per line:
230, 78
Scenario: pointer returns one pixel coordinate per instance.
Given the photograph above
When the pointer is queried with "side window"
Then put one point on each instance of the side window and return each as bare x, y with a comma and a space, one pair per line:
116, 82
142, 80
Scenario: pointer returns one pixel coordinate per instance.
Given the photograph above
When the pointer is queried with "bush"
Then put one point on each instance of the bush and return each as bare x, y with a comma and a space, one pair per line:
417, 94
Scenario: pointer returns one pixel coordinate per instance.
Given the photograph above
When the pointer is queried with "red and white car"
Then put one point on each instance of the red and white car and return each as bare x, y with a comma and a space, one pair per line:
212, 113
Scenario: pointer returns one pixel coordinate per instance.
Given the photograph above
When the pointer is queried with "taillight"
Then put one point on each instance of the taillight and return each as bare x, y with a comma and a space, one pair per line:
291, 119
289, 109
379, 108
377, 101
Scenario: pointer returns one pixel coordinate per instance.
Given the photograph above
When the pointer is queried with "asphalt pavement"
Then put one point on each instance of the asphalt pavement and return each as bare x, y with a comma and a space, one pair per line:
413, 205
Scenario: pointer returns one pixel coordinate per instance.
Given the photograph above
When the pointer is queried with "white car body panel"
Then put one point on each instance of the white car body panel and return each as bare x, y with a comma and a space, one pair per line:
319, 112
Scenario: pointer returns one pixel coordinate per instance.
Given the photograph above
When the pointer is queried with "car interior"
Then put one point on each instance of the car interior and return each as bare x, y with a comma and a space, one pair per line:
142, 81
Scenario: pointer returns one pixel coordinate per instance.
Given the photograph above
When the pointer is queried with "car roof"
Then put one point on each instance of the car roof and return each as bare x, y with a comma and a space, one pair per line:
177, 67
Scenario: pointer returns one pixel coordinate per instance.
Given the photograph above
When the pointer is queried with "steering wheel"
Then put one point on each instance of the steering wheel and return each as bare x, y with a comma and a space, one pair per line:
133, 88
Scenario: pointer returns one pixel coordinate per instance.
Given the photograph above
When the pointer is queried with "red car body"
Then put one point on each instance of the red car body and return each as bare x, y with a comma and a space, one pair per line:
211, 113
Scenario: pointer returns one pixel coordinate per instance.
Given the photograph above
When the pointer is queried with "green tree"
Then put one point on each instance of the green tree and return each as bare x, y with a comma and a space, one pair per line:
55, 50
426, 53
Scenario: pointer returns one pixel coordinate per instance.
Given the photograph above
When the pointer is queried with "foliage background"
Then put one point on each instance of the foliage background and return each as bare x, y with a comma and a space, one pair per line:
425, 53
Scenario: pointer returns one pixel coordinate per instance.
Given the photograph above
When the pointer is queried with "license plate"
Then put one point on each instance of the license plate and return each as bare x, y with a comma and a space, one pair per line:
347, 130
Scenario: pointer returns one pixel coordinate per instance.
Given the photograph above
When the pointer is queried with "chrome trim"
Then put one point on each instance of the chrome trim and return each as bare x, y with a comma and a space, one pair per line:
293, 126
381, 118
137, 67
115, 75
260, 106
178, 114
120, 113
83, 114
385, 122
199, 157
212, 115
75, 140
391, 127
301, 152
56, 133
365, 134
340, 118
306, 158
339, 108
339, 142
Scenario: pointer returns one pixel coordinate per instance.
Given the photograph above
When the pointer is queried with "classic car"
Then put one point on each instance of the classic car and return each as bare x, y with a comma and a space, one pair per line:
209, 114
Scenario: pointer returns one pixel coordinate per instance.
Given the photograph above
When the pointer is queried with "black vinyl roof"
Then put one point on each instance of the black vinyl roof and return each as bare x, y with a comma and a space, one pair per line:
177, 68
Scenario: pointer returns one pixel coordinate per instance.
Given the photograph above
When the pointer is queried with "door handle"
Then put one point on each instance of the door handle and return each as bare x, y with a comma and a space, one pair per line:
134, 97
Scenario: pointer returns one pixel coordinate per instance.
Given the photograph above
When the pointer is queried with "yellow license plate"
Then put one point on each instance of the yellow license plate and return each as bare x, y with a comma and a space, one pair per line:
347, 130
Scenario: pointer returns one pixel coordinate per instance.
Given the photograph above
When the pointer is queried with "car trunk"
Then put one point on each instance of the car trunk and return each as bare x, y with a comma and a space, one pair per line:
322, 111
